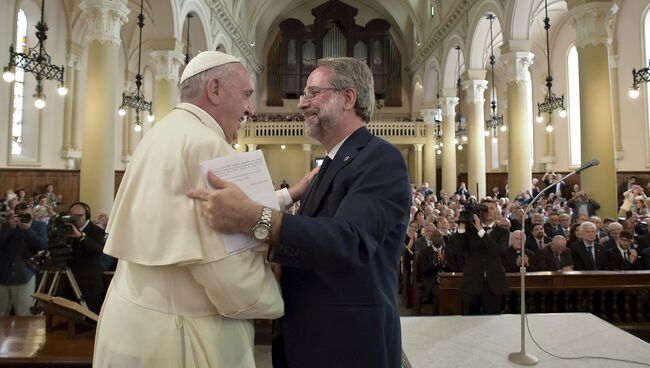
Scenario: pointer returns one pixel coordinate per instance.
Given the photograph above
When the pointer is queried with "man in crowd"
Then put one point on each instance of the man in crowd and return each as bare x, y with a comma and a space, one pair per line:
512, 258
340, 255
484, 279
587, 254
565, 226
431, 261
552, 226
623, 257
555, 257
21, 237
538, 239
581, 204
87, 240
177, 298
425, 241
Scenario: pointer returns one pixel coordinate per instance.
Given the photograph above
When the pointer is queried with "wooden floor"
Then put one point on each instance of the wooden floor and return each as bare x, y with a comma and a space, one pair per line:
24, 342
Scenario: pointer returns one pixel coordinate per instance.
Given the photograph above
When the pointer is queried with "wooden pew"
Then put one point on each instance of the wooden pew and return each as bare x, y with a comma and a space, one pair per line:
619, 297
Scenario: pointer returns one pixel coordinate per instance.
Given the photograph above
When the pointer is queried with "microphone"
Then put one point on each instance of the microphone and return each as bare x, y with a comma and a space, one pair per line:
589, 164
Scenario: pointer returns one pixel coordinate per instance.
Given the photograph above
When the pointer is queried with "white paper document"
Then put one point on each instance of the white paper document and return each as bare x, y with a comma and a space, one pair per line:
247, 170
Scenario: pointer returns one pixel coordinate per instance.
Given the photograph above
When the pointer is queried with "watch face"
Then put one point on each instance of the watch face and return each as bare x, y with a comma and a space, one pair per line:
261, 231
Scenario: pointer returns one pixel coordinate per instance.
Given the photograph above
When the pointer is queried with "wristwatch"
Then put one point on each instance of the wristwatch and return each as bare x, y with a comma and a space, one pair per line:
262, 229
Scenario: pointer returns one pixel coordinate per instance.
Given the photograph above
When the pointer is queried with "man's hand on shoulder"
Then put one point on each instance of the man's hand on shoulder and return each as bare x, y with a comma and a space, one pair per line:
299, 188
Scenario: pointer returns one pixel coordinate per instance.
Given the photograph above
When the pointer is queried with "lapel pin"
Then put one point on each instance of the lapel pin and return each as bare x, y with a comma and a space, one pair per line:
346, 158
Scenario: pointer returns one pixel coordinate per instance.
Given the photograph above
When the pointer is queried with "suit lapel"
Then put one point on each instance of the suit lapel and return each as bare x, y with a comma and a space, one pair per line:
348, 151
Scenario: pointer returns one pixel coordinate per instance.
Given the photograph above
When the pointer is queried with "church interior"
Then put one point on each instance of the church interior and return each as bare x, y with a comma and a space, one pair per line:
498, 95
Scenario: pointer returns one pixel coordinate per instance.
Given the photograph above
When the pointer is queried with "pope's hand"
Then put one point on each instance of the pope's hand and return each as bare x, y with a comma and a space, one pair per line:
226, 207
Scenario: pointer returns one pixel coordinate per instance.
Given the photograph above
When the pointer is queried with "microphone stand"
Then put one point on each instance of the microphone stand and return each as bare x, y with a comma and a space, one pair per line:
521, 357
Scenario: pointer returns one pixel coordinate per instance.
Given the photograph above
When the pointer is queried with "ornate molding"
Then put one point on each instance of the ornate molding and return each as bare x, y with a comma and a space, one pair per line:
517, 66
474, 90
438, 35
592, 24
224, 19
105, 19
168, 64
448, 105
306, 147
418, 147
428, 115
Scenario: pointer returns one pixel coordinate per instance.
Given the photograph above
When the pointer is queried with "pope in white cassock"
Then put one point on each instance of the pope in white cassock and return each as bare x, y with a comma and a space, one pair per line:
177, 299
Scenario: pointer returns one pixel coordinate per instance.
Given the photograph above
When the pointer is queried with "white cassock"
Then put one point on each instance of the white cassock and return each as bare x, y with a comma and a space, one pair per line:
177, 299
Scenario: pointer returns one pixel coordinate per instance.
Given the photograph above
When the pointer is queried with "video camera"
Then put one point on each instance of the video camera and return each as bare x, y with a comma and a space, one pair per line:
472, 207
59, 245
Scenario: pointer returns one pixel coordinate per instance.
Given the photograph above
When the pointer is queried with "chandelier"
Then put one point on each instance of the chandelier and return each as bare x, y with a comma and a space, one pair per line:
136, 99
551, 101
36, 61
496, 121
188, 55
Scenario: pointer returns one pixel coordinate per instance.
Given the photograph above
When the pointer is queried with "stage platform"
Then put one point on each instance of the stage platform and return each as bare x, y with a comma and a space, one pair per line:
486, 341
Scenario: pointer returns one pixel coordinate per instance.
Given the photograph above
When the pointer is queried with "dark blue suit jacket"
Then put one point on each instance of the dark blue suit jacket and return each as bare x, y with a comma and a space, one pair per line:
340, 261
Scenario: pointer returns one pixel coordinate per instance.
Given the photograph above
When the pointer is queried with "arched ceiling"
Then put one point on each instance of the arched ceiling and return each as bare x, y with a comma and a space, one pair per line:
262, 16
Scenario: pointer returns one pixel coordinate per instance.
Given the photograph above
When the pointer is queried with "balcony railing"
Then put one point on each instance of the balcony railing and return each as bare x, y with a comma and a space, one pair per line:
294, 132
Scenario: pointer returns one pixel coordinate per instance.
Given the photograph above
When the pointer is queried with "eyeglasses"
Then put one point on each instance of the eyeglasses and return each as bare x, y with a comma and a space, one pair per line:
312, 92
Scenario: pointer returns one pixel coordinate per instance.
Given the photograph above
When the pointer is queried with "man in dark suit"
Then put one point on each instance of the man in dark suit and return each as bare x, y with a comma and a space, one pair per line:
88, 245
623, 257
425, 241
552, 226
643, 241
340, 254
555, 257
512, 257
581, 203
565, 226
432, 261
588, 255
484, 279
537, 239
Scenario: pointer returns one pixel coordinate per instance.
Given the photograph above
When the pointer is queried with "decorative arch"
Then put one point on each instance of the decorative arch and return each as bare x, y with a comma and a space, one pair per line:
196, 7
450, 59
417, 94
432, 76
222, 40
479, 35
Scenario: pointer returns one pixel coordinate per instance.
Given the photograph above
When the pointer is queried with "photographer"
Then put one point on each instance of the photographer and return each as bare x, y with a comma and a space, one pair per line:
484, 279
582, 204
87, 240
20, 238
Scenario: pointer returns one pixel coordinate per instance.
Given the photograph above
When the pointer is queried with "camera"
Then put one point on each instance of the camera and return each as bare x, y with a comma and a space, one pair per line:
25, 218
472, 207
59, 245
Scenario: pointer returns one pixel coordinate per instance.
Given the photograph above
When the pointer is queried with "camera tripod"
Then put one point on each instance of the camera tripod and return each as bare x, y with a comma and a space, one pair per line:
65, 270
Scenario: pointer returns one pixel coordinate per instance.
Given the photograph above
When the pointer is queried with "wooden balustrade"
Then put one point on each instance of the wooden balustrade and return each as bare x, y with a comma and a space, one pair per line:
619, 297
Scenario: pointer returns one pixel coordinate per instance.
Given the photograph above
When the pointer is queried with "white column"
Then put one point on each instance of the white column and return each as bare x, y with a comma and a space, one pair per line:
429, 172
70, 150
448, 104
167, 92
474, 89
97, 177
417, 175
251, 146
520, 114
590, 20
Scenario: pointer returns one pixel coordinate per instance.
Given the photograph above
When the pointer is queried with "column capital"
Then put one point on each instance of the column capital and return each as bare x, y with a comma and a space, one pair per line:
168, 64
517, 64
429, 116
251, 146
104, 19
448, 105
306, 147
474, 89
613, 61
591, 22
418, 147
75, 52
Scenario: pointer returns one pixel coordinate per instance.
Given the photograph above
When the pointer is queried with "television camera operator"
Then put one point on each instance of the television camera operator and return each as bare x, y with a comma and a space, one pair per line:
484, 280
20, 238
87, 242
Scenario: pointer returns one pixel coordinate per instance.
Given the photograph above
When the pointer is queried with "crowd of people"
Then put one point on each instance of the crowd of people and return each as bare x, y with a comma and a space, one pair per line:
30, 228
560, 232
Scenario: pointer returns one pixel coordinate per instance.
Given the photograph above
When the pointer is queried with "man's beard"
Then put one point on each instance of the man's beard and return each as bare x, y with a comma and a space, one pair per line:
325, 120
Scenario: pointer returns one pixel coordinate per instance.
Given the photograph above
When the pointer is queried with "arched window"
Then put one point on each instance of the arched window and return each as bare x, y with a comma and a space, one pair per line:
19, 88
574, 106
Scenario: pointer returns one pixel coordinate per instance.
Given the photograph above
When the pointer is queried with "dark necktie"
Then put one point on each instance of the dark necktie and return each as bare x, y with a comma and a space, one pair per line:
625, 256
591, 256
311, 198
558, 262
